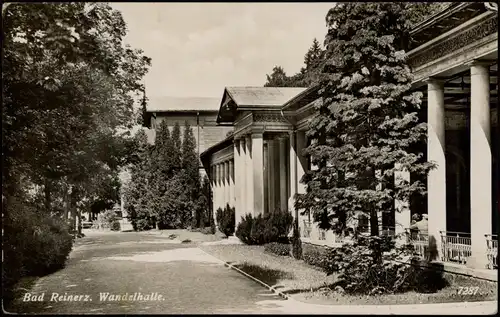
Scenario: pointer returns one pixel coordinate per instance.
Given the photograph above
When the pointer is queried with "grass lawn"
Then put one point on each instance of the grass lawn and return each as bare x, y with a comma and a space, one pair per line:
309, 284
285, 273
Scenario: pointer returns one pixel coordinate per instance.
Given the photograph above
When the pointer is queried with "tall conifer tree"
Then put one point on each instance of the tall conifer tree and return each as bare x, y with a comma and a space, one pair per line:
368, 119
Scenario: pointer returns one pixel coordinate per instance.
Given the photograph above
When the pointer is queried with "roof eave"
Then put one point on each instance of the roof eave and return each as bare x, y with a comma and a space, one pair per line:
181, 110
216, 146
298, 97
454, 7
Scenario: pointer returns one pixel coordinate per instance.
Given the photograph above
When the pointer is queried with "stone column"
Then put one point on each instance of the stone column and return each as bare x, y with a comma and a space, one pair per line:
402, 212
249, 190
237, 181
267, 176
480, 164
282, 173
242, 171
436, 180
271, 148
293, 174
231, 183
213, 176
222, 184
276, 174
219, 187
258, 172
227, 184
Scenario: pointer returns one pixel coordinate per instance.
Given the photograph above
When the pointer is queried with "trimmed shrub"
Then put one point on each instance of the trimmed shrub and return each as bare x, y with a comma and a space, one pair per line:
50, 247
106, 219
273, 227
35, 244
278, 248
142, 225
226, 220
244, 229
115, 226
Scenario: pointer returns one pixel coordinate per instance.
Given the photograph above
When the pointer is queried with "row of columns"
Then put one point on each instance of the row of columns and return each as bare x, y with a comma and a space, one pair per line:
480, 162
223, 185
249, 177
249, 159
277, 178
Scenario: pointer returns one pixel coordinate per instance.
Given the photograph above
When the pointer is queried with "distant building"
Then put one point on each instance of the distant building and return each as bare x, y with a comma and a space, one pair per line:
200, 112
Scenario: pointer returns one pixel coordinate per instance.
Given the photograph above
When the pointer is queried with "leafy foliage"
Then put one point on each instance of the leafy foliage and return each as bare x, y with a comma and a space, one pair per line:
272, 227
362, 272
34, 244
109, 220
317, 255
226, 220
68, 99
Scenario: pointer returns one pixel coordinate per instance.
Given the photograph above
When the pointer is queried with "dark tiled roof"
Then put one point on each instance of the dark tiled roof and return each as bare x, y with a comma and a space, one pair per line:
262, 96
163, 104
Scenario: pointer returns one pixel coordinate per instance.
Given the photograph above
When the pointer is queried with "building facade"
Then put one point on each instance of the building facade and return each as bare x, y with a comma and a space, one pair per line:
201, 114
454, 60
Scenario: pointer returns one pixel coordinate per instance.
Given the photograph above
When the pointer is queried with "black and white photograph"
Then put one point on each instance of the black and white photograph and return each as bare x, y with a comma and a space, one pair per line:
172, 158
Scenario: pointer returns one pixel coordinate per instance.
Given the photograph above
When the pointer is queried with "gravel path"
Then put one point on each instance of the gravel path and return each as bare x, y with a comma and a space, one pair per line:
178, 278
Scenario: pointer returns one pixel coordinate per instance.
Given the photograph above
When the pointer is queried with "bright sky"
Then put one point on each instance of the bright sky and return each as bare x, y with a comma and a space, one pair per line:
197, 49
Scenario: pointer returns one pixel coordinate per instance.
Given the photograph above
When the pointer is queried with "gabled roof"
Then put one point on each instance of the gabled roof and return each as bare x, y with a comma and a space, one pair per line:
253, 98
174, 104
262, 96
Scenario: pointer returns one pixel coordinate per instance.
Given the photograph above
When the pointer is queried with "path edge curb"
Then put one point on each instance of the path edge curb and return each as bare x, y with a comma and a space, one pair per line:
288, 297
271, 288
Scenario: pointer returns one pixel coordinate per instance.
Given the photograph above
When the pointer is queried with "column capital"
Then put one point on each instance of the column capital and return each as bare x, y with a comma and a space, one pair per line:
480, 62
257, 130
434, 80
257, 134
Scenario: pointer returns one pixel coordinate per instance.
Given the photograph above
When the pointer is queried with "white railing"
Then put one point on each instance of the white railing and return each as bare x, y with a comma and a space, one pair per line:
420, 242
456, 246
492, 250
306, 233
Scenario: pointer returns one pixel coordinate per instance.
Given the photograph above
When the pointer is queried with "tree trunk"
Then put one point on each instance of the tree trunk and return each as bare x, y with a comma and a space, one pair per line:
73, 209
67, 202
79, 221
374, 223
47, 195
